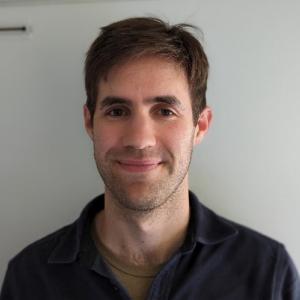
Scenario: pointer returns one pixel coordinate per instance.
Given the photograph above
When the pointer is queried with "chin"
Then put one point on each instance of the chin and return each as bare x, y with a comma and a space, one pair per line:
138, 199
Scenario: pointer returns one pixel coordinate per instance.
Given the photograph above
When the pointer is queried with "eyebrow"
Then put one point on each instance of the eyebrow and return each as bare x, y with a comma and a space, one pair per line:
111, 100
165, 99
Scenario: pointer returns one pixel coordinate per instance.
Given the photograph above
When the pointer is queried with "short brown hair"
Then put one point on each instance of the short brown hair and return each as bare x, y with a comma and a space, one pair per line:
135, 37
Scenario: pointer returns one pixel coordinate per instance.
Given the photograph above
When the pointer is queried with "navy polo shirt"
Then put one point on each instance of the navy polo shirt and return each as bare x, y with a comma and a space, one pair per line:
219, 260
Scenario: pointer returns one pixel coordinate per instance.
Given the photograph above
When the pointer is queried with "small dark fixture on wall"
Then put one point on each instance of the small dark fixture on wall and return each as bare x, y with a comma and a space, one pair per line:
13, 29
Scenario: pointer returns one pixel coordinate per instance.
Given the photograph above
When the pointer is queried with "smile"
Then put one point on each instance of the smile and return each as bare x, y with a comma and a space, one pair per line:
139, 165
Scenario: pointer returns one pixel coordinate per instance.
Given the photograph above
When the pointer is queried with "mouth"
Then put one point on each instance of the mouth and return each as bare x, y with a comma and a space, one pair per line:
135, 166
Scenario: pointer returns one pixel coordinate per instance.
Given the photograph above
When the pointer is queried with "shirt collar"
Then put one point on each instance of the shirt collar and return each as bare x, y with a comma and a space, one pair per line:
205, 227
74, 241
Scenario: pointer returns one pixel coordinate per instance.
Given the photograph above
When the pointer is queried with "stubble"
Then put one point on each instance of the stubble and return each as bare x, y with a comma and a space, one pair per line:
136, 193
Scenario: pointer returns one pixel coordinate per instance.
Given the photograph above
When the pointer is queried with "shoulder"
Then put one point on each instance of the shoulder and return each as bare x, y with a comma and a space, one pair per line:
263, 257
61, 246
254, 240
260, 251
212, 229
30, 271
255, 246
39, 251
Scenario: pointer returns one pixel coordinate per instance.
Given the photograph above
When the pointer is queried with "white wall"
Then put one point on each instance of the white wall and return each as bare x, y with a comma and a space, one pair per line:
246, 169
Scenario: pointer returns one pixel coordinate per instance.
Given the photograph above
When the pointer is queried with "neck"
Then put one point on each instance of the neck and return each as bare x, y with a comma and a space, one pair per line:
146, 238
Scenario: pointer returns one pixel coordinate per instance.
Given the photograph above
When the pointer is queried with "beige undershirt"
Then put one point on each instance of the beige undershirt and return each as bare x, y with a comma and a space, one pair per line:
136, 280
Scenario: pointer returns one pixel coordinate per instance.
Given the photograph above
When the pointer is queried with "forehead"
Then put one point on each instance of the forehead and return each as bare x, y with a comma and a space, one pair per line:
145, 77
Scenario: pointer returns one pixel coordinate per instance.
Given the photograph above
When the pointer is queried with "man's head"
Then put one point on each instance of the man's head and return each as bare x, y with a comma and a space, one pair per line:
136, 37
141, 114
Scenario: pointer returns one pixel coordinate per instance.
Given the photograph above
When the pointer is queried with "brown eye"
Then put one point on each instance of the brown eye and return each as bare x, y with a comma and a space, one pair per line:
116, 112
166, 112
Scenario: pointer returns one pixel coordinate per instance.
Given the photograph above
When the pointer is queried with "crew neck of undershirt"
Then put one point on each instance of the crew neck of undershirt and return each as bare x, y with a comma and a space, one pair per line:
141, 271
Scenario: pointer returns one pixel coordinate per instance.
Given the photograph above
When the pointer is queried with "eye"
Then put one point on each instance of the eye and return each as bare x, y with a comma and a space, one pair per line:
116, 112
166, 112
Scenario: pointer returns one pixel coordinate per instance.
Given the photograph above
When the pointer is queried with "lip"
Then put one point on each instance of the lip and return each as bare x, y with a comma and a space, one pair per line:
139, 165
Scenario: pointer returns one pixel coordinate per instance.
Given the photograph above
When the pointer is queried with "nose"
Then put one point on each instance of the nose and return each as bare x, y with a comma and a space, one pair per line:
139, 133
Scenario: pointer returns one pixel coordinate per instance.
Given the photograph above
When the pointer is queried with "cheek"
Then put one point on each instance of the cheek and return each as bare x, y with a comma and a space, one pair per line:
104, 139
179, 137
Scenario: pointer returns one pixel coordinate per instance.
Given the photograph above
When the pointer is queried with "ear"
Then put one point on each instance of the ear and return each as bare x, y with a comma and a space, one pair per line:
202, 125
88, 122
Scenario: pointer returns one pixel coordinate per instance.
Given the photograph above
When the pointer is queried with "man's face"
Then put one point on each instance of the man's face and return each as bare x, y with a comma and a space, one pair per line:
143, 132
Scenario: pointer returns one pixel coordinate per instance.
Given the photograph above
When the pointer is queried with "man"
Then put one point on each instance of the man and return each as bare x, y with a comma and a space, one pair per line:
148, 237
